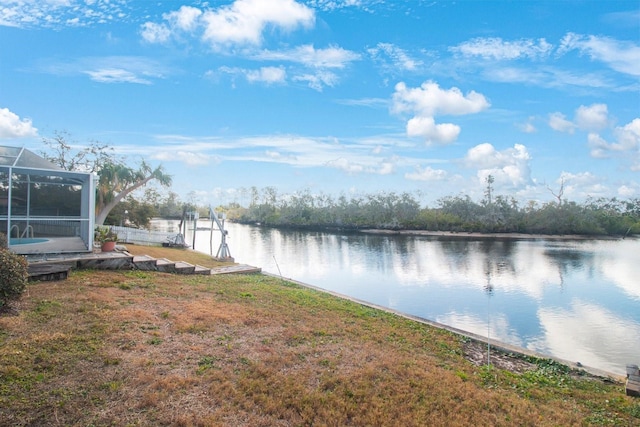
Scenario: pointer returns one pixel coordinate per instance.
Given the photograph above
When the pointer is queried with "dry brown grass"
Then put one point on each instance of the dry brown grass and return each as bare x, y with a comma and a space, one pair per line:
140, 348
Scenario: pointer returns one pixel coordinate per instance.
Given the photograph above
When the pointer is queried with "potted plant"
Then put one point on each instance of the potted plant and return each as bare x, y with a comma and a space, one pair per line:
106, 237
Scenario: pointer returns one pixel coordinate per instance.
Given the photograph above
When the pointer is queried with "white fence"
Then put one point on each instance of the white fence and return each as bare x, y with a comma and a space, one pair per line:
142, 237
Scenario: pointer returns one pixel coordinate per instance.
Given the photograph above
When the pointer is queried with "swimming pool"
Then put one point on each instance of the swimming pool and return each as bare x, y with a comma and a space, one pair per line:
26, 240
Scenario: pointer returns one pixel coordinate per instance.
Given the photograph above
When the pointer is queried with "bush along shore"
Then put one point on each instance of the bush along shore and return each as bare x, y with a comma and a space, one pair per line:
147, 348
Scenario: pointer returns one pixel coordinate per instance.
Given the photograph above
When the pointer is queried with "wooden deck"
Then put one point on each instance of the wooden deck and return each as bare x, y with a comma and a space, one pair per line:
49, 272
51, 267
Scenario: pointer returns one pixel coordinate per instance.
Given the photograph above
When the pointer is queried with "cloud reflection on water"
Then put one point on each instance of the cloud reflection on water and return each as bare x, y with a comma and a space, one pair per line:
589, 334
499, 330
622, 267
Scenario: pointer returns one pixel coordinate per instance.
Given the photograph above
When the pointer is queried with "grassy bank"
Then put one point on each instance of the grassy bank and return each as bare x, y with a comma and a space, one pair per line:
141, 348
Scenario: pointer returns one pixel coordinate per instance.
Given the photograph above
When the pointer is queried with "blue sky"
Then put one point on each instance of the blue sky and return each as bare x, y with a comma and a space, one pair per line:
336, 96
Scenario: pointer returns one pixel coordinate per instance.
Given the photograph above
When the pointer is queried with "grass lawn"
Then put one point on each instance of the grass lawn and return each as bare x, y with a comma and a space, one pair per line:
146, 349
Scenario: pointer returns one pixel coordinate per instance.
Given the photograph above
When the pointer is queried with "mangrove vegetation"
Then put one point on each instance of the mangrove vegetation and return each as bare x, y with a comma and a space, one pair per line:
390, 210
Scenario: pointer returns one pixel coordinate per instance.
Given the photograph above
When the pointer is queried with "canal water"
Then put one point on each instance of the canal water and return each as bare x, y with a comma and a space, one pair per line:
578, 300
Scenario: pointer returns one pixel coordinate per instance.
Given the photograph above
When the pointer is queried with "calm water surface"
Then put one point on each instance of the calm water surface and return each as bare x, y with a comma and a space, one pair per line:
577, 300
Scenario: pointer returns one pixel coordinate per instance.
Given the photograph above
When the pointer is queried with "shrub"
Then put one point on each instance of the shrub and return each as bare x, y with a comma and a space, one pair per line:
105, 234
13, 276
4, 244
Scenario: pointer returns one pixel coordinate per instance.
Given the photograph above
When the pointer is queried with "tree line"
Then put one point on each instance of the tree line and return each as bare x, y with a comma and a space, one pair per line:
397, 211
402, 211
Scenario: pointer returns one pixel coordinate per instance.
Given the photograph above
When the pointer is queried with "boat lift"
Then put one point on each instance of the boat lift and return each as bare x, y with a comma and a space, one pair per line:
224, 254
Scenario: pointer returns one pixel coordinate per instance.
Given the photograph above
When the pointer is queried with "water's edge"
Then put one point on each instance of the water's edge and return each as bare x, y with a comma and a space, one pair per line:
495, 345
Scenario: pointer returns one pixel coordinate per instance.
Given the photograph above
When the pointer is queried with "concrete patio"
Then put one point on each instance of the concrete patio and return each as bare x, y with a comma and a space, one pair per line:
48, 267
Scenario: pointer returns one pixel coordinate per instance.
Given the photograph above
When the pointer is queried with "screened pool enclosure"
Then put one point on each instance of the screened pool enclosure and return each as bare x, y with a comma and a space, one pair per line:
43, 208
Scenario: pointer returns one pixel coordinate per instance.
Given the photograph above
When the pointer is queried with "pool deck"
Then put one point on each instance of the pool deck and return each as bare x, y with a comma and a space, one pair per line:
53, 246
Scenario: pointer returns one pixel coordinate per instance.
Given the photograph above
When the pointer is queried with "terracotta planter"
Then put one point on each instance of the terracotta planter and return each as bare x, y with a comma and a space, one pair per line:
108, 246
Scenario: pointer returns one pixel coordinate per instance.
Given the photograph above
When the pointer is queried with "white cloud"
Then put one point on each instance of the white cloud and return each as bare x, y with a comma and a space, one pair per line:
627, 191
622, 56
345, 165
185, 18
385, 167
628, 136
429, 100
244, 21
598, 145
494, 48
426, 127
61, 13
241, 23
318, 80
12, 126
308, 55
110, 69
582, 185
353, 157
353, 166
268, 75
335, 4
592, 117
628, 18
559, 122
399, 58
189, 158
155, 33
278, 157
509, 167
589, 118
483, 156
627, 140
527, 127
319, 61
115, 75
546, 77
427, 174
